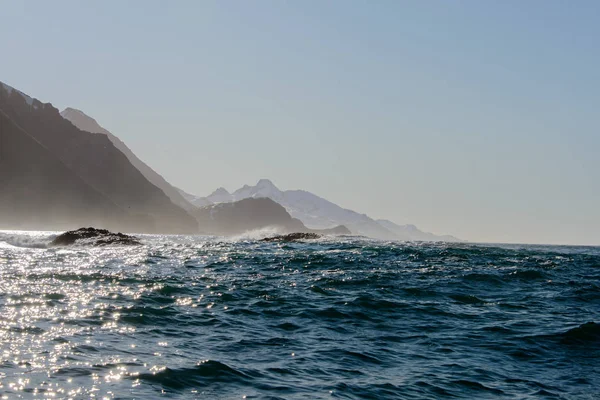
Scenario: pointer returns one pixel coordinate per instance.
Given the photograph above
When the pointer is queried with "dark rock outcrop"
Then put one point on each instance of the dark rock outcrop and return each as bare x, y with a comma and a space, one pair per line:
95, 237
292, 237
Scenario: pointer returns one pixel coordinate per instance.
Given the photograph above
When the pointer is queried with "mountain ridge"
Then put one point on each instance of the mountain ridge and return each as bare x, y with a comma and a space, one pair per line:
86, 156
86, 123
41, 181
318, 213
253, 213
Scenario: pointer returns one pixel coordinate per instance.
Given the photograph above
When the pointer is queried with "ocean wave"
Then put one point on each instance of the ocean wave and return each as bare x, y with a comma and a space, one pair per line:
26, 240
467, 299
204, 373
588, 333
349, 318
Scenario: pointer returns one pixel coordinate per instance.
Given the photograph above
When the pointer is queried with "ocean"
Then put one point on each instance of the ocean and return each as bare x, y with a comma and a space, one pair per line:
348, 317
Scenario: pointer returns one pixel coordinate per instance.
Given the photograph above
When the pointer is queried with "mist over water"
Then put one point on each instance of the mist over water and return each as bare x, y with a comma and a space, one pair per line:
204, 317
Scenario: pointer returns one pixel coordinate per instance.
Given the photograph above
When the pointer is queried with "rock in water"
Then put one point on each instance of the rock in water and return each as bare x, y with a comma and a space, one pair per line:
95, 237
292, 237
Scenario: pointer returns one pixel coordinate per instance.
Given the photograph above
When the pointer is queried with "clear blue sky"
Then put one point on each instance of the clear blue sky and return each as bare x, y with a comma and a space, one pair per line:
472, 118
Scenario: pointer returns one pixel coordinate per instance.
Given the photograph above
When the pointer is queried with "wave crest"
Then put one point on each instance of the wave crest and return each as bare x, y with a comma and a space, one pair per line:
203, 373
34, 240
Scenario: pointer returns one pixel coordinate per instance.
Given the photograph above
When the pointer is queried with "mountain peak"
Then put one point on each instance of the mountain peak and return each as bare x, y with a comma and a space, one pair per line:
72, 110
69, 111
83, 121
266, 183
220, 192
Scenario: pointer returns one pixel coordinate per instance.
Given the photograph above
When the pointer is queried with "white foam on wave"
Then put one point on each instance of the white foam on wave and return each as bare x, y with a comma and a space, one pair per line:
256, 234
29, 240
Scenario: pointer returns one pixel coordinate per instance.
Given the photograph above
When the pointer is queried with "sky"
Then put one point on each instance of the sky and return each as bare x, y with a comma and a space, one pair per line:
472, 118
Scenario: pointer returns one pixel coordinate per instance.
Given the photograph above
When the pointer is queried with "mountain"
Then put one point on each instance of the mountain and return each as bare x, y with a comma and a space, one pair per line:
318, 213
99, 173
88, 124
314, 211
250, 214
41, 192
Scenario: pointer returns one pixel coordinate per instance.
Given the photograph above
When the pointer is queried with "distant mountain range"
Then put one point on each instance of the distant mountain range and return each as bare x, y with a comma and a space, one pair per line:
64, 170
318, 213
250, 214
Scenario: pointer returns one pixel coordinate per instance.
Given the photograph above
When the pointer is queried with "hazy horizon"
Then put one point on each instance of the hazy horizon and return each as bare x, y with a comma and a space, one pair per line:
470, 119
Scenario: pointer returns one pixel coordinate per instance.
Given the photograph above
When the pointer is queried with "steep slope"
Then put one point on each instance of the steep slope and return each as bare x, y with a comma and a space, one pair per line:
38, 191
96, 161
88, 124
250, 214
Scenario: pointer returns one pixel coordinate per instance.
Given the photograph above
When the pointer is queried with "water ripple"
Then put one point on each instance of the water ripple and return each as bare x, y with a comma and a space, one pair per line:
203, 317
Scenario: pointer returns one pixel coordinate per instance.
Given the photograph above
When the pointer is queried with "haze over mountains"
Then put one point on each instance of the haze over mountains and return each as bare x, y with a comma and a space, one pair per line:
251, 214
318, 213
33, 179
88, 124
86, 162
64, 170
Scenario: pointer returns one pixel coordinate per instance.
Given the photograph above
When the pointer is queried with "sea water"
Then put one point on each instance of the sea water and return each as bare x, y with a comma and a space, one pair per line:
347, 317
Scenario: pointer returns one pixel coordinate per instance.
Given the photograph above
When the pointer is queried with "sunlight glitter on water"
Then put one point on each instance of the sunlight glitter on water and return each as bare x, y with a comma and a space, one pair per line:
350, 318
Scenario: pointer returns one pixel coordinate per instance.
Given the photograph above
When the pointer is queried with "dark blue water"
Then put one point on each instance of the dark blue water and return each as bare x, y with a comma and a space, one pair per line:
193, 317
